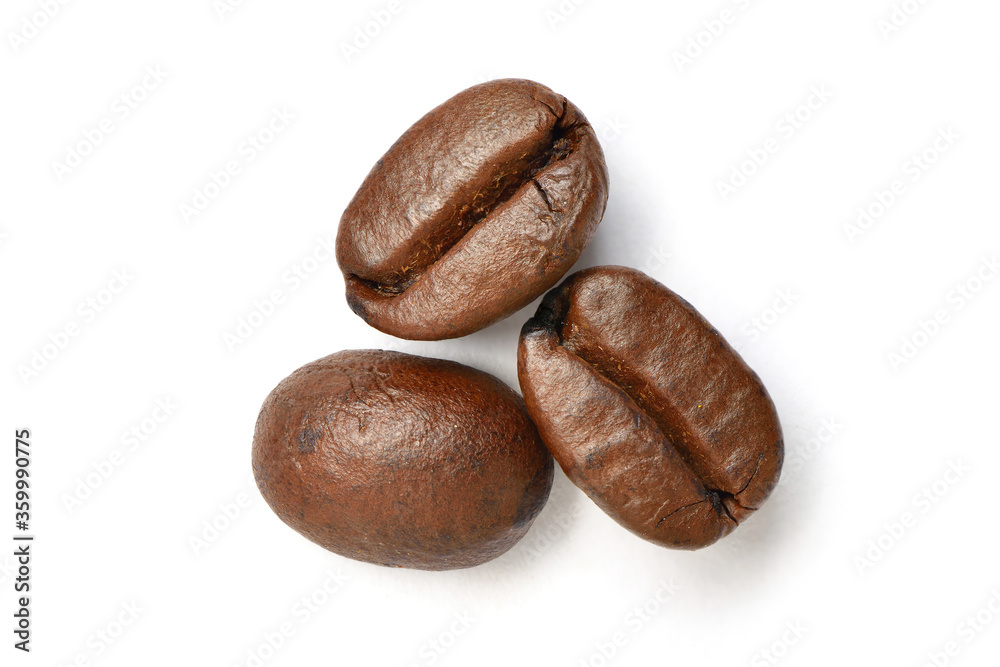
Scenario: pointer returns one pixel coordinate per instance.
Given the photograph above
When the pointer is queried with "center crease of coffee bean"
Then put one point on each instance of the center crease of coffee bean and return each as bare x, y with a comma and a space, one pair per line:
508, 181
552, 317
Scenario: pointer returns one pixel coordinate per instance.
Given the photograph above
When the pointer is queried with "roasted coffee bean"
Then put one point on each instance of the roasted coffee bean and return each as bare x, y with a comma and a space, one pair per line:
401, 460
474, 212
647, 408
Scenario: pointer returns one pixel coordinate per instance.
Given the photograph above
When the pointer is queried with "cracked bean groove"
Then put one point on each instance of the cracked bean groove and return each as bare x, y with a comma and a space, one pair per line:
475, 211
648, 409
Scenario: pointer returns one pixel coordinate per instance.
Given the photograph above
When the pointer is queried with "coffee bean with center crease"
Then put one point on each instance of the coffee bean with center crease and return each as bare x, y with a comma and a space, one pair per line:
401, 460
648, 409
474, 212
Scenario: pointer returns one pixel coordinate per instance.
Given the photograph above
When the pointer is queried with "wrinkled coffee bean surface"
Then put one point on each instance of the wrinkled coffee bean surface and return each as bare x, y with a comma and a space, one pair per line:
647, 408
481, 206
401, 460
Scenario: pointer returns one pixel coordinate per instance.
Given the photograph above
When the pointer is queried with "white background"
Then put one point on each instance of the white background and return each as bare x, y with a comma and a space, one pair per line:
828, 555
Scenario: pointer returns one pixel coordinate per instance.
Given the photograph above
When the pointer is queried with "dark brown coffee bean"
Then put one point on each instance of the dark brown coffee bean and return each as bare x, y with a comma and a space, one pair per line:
401, 460
474, 212
647, 408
